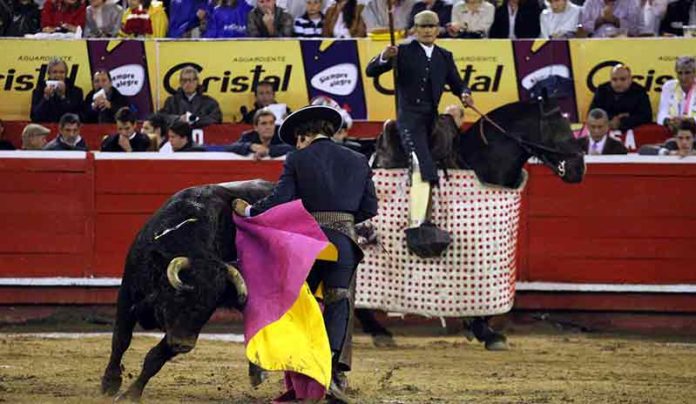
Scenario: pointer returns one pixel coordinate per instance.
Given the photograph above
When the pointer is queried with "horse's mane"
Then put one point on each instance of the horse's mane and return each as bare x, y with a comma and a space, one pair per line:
507, 114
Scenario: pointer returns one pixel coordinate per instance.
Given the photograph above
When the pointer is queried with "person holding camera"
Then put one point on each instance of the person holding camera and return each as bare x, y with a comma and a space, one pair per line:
189, 105
55, 97
102, 103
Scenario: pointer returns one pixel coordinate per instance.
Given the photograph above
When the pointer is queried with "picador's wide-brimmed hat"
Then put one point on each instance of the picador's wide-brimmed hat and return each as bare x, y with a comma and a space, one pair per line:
308, 114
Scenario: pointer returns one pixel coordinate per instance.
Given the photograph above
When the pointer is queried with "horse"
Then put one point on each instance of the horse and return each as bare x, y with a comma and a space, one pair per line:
496, 147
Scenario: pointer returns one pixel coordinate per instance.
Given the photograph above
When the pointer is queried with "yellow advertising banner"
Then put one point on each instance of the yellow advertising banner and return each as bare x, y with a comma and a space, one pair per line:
230, 71
487, 67
23, 63
651, 61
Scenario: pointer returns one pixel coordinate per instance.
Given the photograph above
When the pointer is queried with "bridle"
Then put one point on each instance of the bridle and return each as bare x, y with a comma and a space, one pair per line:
535, 149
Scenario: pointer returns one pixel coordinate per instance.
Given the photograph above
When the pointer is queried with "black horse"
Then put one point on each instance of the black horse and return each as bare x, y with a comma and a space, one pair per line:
495, 147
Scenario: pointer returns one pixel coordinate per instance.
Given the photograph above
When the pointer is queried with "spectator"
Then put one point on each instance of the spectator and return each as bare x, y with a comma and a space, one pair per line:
679, 13
103, 19
144, 18
127, 139
311, 23
471, 19
228, 19
4, 143
560, 20
188, 104
268, 21
297, 7
62, 16
516, 19
156, 128
263, 141
678, 98
682, 144
344, 20
68, 135
22, 17
376, 14
183, 17
599, 141
181, 138
265, 96
625, 101
443, 11
55, 97
34, 137
103, 101
611, 18
652, 12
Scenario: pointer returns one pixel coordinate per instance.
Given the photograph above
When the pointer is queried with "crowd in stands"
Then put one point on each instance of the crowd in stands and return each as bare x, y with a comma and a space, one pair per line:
345, 18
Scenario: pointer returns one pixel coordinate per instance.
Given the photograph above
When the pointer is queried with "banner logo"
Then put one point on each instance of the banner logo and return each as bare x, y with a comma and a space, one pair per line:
128, 79
340, 79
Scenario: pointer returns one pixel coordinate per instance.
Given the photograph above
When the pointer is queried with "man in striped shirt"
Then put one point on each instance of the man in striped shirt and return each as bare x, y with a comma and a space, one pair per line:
311, 23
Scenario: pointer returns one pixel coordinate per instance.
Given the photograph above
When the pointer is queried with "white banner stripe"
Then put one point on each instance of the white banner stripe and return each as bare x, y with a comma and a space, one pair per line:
521, 286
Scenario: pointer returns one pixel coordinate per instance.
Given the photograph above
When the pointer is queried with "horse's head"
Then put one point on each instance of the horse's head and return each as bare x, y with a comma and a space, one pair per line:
388, 150
554, 144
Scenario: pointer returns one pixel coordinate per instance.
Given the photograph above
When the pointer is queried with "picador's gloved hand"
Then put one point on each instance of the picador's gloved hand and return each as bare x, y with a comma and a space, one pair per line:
239, 206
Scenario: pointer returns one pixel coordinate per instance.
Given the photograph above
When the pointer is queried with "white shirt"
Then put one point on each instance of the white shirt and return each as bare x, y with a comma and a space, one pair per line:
595, 147
428, 49
674, 102
166, 148
511, 21
559, 23
340, 30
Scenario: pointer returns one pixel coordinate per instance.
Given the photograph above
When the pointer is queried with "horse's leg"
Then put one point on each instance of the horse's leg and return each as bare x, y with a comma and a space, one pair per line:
478, 326
120, 341
154, 360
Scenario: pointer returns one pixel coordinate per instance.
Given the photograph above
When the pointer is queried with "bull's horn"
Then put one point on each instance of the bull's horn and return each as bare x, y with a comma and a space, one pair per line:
238, 282
176, 265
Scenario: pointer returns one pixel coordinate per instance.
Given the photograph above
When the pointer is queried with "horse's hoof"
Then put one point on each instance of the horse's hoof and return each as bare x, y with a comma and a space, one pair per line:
110, 385
256, 375
128, 396
383, 341
497, 343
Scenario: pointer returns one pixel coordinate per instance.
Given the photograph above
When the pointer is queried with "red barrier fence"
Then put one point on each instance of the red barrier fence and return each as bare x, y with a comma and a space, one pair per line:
627, 232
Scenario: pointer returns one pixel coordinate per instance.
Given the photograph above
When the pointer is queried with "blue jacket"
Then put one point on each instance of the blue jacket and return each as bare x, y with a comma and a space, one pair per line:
228, 22
182, 16
327, 177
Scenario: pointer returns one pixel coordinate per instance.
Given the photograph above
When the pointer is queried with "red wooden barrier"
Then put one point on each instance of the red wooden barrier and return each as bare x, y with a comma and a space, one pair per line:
628, 224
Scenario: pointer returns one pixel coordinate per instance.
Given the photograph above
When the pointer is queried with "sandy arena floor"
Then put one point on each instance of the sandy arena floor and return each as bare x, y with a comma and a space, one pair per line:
541, 367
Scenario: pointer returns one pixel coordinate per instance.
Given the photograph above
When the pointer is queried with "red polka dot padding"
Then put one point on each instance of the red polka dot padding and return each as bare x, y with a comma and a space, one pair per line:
475, 275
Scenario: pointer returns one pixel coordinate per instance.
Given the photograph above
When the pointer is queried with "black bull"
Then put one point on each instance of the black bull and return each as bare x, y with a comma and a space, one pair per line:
177, 272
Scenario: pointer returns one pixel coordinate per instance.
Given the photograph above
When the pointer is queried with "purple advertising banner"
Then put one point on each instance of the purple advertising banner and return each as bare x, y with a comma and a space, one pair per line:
544, 66
332, 69
127, 64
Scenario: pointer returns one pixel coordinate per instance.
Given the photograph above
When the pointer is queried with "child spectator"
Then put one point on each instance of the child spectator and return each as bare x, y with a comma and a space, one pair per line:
311, 23
144, 19
181, 138
103, 19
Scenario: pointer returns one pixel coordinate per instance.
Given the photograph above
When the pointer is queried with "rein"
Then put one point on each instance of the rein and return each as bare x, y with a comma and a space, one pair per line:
530, 147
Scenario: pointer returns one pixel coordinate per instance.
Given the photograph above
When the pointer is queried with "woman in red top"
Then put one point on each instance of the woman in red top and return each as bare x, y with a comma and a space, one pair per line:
63, 15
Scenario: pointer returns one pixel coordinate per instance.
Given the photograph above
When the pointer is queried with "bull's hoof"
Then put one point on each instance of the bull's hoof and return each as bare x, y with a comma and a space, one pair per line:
497, 342
110, 384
